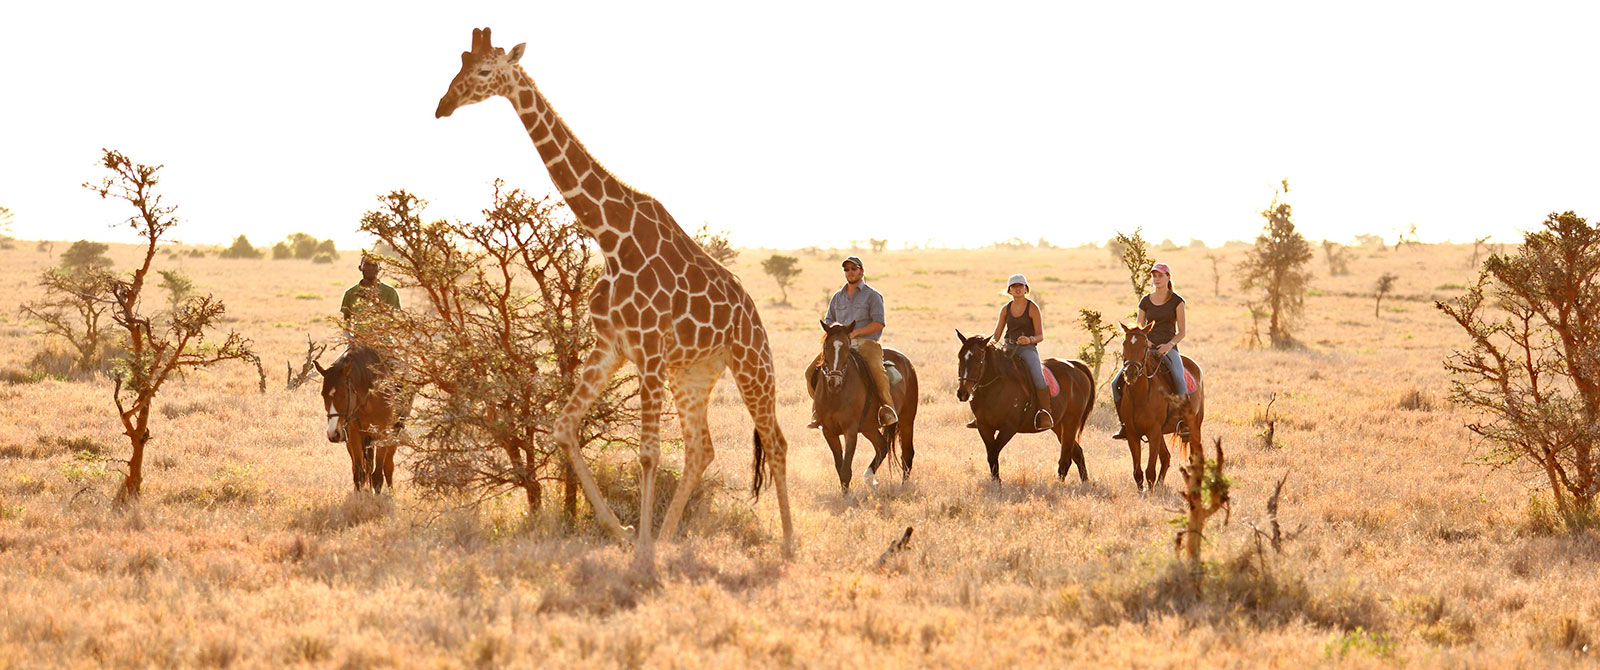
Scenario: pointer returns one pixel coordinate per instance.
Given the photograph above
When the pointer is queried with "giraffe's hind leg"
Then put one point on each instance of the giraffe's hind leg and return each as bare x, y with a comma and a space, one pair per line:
691, 391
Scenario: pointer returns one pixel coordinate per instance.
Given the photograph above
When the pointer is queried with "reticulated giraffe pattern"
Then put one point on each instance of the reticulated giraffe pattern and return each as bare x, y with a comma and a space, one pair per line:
662, 303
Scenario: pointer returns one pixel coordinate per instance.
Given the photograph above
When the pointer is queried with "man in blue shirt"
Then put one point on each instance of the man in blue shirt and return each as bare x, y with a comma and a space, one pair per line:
861, 306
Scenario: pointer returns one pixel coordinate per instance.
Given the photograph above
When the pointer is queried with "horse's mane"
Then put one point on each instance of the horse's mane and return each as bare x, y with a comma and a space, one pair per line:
362, 365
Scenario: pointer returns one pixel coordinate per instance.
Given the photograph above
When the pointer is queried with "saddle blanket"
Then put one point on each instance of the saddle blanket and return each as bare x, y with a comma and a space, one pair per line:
1050, 380
1188, 380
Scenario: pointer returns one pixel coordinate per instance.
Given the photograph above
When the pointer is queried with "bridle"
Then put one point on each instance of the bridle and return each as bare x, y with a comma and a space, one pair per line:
829, 373
352, 411
986, 369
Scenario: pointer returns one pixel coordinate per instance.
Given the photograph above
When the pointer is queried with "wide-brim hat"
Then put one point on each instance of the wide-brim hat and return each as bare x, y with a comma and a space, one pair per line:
1017, 279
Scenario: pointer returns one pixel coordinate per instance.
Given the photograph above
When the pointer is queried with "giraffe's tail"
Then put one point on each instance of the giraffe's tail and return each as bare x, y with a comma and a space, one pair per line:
758, 478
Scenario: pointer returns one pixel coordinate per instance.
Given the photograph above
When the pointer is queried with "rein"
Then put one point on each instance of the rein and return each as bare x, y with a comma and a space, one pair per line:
988, 355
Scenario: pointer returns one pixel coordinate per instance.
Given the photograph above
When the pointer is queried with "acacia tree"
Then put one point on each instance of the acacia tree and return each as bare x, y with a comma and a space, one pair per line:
497, 346
1101, 334
156, 349
1532, 370
784, 270
1276, 266
1381, 288
74, 310
1338, 258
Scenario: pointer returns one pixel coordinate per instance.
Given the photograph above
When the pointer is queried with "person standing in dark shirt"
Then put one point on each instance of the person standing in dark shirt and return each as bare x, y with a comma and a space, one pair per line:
1164, 308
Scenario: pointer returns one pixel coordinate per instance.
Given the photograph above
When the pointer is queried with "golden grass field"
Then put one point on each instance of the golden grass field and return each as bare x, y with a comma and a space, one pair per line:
249, 550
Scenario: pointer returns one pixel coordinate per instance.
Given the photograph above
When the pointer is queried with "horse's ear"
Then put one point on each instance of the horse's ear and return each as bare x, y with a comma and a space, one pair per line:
320, 370
986, 339
824, 325
1149, 327
1125, 327
959, 336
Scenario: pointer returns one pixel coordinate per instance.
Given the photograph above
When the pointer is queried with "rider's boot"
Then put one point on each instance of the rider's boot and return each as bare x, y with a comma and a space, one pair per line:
1041, 418
1182, 407
1121, 434
973, 423
815, 422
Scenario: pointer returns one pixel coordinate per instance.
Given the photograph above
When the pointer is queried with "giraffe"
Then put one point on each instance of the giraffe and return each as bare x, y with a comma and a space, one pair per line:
661, 303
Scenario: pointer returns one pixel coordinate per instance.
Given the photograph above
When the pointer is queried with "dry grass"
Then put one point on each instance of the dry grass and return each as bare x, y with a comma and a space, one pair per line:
248, 550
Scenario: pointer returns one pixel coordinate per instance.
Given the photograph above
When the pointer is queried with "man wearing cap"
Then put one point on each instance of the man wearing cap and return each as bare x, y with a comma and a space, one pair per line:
861, 307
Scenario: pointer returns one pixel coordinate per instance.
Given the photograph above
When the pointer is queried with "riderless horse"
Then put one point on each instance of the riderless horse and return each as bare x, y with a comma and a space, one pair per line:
361, 414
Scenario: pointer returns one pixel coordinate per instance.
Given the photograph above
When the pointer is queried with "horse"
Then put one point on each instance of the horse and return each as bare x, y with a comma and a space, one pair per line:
361, 413
1147, 404
1000, 392
847, 405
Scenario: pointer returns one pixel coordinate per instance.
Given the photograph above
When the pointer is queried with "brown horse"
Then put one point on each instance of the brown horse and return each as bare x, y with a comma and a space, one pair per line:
847, 406
361, 414
1000, 392
1148, 409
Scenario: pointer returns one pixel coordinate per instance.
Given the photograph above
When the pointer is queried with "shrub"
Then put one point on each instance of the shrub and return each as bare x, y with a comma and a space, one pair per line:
281, 251
323, 257
305, 246
85, 255
715, 244
326, 247
74, 308
241, 249
496, 361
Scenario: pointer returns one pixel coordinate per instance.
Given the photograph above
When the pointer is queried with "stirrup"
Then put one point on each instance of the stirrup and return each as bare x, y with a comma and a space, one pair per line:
887, 411
815, 423
1043, 417
1183, 430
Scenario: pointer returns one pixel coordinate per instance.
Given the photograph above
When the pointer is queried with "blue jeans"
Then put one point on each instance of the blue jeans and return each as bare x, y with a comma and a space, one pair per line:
1174, 365
1030, 359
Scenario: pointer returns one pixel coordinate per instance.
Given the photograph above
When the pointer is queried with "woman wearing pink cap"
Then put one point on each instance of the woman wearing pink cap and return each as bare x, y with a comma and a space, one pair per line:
1165, 309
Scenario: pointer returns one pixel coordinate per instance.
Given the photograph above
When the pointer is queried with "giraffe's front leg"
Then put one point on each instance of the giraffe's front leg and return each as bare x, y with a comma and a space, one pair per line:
652, 390
597, 370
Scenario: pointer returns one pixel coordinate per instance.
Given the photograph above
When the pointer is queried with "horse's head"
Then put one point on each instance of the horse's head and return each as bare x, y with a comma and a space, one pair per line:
835, 353
1135, 345
970, 364
336, 398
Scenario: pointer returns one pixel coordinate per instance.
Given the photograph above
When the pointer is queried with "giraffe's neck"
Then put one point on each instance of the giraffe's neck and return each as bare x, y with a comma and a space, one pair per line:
583, 182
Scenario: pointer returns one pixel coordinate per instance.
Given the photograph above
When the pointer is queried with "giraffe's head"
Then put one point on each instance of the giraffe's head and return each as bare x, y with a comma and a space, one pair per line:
485, 72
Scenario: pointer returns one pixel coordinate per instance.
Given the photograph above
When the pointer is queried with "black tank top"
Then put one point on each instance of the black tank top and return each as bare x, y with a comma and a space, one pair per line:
1017, 326
1165, 317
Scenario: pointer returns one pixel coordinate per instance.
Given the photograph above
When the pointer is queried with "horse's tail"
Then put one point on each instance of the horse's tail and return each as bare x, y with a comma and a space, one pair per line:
889, 432
1088, 407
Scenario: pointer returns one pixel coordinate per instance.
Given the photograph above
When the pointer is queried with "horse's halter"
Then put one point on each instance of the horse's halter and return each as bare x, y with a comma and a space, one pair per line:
352, 408
1138, 366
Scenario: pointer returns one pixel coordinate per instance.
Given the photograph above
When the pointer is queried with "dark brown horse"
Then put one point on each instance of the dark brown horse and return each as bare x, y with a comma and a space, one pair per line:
847, 405
361, 414
1000, 392
1148, 409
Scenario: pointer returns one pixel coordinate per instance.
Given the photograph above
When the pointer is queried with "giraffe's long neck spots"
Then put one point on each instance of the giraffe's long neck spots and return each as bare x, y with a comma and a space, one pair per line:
595, 196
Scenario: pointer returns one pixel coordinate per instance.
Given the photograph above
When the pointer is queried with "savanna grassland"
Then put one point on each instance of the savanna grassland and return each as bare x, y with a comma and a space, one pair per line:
248, 549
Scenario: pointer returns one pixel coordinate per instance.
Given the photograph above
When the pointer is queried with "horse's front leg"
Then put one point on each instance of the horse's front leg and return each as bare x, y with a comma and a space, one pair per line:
1133, 451
850, 437
358, 466
839, 465
1001, 437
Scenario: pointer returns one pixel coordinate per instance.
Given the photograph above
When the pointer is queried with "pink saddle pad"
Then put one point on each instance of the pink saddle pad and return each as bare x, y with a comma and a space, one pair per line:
1055, 388
1188, 380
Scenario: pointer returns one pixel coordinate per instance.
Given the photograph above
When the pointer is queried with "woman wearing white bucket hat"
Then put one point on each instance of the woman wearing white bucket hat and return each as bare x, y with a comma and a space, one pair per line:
1022, 323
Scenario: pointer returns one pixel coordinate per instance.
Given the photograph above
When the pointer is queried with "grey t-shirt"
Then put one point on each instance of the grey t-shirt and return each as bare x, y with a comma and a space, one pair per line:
858, 311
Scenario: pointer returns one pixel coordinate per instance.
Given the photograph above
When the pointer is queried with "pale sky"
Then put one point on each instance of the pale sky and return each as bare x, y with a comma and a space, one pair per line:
814, 123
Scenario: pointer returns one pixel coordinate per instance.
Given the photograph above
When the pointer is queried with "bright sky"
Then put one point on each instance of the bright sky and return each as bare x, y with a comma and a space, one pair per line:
816, 123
